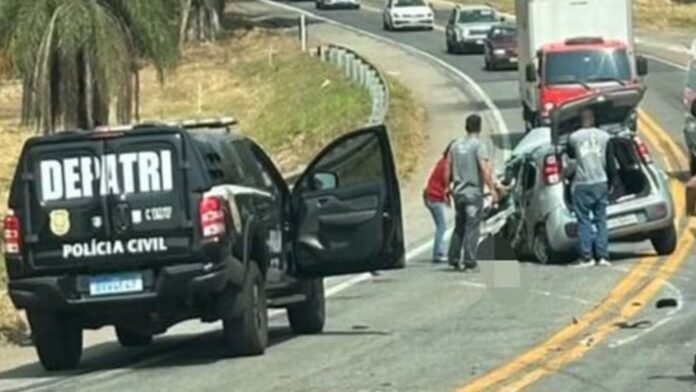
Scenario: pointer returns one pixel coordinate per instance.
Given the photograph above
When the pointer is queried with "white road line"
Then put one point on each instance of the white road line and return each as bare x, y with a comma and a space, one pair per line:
665, 62
500, 124
669, 317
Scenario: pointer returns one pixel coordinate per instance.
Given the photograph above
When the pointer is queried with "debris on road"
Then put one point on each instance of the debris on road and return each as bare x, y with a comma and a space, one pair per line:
666, 303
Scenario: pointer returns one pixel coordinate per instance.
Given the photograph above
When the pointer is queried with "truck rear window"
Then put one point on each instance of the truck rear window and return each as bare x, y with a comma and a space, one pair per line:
587, 66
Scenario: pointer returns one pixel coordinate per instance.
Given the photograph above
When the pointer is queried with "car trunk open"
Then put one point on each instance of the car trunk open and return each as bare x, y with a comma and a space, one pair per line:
630, 180
614, 112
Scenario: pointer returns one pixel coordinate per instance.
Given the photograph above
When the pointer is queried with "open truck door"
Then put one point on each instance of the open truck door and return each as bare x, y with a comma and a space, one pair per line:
347, 209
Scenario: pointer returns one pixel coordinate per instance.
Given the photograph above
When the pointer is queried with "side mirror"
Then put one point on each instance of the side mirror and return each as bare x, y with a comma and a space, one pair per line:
502, 19
530, 73
324, 181
642, 65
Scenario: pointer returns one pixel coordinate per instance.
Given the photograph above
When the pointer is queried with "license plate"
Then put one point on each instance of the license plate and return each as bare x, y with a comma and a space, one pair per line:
625, 220
479, 42
110, 284
513, 59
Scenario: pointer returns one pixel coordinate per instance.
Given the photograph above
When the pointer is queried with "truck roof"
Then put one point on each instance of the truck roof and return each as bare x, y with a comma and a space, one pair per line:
569, 47
206, 126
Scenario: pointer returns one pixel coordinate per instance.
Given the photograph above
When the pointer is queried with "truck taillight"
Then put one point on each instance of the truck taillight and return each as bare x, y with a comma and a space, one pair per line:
12, 234
212, 217
642, 150
552, 170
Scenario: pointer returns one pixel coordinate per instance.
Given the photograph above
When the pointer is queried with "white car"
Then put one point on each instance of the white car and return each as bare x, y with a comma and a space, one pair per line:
404, 14
324, 4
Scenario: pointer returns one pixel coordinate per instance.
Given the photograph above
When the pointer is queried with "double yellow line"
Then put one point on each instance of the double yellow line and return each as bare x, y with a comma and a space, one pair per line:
625, 300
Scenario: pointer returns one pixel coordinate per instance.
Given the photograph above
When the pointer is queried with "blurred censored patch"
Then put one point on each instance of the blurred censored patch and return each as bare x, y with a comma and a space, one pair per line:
503, 274
505, 283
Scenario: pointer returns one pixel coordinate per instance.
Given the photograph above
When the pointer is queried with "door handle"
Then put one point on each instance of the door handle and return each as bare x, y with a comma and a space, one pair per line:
323, 202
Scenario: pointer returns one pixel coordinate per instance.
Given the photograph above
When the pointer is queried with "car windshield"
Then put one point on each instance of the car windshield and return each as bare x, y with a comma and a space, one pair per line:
476, 16
409, 3
503, 33
587, 66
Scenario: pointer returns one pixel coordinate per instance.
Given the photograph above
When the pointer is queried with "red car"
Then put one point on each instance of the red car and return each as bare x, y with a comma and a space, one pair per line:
500, 48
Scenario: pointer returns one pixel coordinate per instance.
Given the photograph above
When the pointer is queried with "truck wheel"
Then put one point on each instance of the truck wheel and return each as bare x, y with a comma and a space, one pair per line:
130, 338
308, 317
248, 334
665, 241
58, 340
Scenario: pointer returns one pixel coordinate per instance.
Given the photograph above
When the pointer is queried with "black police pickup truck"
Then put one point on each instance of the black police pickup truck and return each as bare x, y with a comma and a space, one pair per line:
145, 226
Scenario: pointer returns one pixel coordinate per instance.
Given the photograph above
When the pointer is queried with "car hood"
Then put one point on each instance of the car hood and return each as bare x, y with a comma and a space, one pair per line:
504, 43
414, 10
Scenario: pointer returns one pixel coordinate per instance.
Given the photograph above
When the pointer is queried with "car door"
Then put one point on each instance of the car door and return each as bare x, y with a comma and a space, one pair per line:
346, 208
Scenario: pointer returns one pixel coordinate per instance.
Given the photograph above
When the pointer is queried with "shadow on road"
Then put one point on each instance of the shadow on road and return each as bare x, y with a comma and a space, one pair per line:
683, 378
180, 350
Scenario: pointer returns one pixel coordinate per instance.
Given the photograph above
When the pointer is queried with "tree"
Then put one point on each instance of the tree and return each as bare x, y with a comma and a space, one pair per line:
200, 20
79, 59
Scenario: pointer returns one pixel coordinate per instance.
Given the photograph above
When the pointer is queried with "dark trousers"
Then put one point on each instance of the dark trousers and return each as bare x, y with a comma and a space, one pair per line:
592, 199
467, 229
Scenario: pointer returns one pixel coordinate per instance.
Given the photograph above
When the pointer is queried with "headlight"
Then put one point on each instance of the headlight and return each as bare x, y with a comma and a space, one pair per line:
430, 15
499, 51
396, 16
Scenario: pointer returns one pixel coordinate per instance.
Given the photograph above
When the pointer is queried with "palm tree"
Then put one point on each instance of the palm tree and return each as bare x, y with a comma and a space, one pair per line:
79, 59
200, 20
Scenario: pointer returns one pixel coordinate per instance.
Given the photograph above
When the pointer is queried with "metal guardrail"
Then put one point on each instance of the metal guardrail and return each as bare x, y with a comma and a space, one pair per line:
360, 71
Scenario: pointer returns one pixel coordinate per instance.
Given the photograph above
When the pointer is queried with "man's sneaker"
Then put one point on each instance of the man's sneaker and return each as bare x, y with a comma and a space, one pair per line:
584, 264
604, 263
471, 268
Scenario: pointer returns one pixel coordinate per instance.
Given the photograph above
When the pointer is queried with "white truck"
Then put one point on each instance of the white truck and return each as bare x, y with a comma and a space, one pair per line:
568, 48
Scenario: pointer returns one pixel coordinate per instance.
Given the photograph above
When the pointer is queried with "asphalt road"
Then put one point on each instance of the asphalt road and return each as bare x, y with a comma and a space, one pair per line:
426, 328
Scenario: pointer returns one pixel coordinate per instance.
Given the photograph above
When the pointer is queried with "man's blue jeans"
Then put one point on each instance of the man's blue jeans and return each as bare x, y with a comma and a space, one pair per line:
590, 203
437, 210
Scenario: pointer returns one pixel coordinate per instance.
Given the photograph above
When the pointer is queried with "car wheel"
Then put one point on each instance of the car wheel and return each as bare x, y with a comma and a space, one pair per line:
130, 338
308, 317
357, 7
58, 340
248, 334
486, 64
543, 252
317, 5
448, 44
692, 165
665, 241
385, 25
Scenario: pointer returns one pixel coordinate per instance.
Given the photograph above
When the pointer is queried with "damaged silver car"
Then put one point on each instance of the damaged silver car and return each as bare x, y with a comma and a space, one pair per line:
542, 225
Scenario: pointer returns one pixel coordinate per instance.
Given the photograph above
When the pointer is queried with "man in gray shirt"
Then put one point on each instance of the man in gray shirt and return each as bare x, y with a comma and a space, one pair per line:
590, 147
468, 171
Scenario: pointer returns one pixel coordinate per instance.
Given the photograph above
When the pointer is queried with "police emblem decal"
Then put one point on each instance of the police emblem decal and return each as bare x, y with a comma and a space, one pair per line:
60, 222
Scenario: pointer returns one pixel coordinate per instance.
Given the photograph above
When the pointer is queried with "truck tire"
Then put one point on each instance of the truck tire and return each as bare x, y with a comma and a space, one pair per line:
58, 340
665, 241
308, 317
247, 334
130, 338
